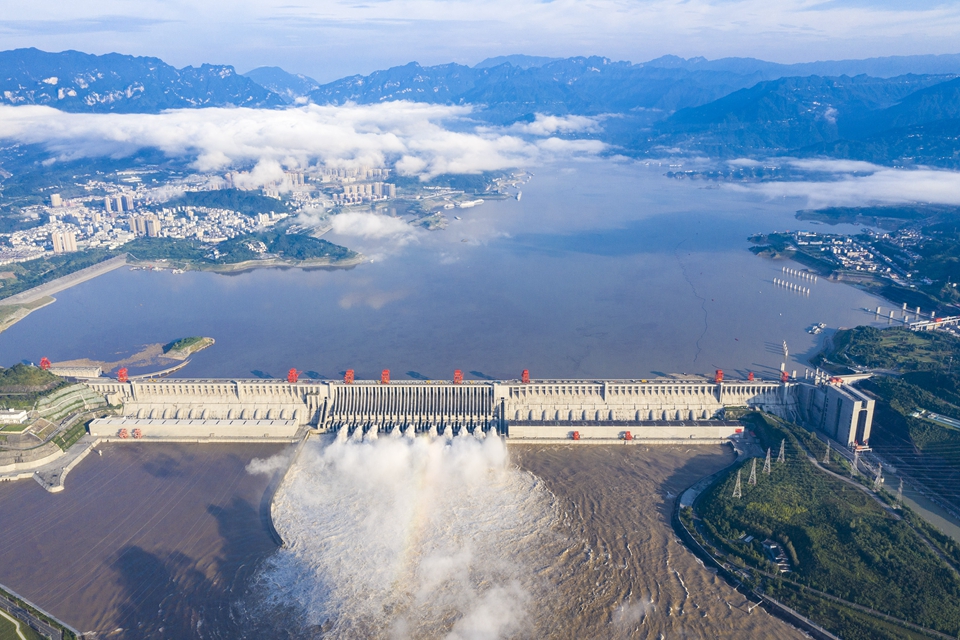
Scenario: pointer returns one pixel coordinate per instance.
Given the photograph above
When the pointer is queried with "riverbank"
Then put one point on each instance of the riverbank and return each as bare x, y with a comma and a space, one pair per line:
250, 265
801, 501
17, 307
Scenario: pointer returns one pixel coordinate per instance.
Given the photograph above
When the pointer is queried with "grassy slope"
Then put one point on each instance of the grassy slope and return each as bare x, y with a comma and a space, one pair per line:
844, 542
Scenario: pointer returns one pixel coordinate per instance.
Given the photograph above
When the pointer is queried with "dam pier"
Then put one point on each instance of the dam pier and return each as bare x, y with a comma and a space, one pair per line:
687, 409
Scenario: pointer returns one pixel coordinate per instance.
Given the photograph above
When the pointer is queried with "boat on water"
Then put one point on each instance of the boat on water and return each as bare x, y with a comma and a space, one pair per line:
519, 194
817, 328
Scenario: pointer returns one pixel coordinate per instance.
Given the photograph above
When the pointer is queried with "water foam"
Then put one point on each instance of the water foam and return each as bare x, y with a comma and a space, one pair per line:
402, 538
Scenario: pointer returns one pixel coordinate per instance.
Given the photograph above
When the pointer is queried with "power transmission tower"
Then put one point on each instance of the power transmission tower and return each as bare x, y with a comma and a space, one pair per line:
737, 493
766, 463
856, 462
878, 481
780, 458
900, 494
826, 456
753, 473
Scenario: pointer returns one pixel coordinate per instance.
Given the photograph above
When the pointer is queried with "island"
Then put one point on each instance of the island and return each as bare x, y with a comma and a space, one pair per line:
185, 347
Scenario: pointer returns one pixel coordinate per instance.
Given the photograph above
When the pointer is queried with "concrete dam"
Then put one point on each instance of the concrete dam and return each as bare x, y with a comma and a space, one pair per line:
670, 409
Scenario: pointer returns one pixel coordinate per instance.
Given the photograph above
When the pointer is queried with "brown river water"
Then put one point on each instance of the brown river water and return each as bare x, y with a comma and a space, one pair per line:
170, 541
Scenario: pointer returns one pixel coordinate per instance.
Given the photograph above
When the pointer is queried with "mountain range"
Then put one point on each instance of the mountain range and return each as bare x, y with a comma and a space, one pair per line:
894, 110
75, 81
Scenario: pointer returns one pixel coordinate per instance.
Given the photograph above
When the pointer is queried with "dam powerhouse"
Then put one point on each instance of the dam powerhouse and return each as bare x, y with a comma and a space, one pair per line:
663, 410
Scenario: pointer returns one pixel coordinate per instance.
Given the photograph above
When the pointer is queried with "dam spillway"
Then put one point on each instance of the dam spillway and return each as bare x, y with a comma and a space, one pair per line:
667, 408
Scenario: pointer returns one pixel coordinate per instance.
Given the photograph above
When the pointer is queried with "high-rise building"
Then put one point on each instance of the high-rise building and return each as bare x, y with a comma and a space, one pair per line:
137, 225
152, 226
56, 200
108, 205
63, 241
127, 202
391, 190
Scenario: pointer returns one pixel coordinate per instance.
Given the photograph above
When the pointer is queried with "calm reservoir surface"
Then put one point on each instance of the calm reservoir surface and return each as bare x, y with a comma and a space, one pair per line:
601, 270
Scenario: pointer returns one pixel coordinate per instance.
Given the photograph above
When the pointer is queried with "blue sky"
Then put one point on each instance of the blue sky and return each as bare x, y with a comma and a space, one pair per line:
330, 39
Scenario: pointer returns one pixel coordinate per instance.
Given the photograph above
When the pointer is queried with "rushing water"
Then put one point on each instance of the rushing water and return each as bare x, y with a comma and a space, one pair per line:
404, 538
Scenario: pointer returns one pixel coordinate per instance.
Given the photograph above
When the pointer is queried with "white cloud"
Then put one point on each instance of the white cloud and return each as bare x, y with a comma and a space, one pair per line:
544, 125
370, 225
413, 135
883, 186
835, 166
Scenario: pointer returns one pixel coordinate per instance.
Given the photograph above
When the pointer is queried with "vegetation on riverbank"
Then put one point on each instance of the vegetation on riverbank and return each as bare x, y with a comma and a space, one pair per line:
839, 541
19, 277
781, 245
292, 249
22, 385
897, 349
185, 347
268, 248
926, 368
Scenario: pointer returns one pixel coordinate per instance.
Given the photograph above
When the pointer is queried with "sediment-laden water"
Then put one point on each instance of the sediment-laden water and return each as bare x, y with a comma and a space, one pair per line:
146, 541
473, 539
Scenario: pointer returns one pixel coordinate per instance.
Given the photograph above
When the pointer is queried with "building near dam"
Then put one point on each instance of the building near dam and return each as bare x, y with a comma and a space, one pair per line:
666, 409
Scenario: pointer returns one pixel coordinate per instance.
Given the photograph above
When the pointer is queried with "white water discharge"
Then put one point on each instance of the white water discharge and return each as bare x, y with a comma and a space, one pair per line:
412, 537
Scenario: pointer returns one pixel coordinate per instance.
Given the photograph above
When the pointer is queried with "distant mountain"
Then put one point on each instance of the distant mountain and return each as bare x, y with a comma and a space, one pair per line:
906, 120
517, 60
289, 86
789, 113
75, 81
506, 92
886, 67
509, 88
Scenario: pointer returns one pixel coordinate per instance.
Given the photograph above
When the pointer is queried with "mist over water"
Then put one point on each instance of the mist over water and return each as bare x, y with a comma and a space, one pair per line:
400, 538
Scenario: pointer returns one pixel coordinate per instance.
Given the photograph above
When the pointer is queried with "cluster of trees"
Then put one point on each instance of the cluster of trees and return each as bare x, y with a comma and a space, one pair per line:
841, 541
36, 272
246, 202
295, 247
897, 349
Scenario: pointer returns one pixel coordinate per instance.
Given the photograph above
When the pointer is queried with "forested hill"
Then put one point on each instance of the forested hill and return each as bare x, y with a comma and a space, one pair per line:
584, 85
75, 81
905, 120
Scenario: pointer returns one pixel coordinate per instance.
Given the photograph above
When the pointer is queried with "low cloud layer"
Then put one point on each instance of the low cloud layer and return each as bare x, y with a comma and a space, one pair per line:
862, 183
411, 135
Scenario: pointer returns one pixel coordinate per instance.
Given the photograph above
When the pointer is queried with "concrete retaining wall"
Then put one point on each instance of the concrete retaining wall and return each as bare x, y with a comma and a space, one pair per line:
192, 430
678, 433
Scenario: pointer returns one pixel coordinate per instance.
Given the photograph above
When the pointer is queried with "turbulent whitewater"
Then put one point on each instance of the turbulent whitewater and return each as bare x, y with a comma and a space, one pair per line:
403, 537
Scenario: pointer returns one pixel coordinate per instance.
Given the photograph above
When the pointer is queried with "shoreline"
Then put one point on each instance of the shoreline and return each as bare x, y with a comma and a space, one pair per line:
20, 305
251, 265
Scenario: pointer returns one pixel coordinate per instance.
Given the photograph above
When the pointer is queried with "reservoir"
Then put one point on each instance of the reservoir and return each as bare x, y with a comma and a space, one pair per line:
604, 269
